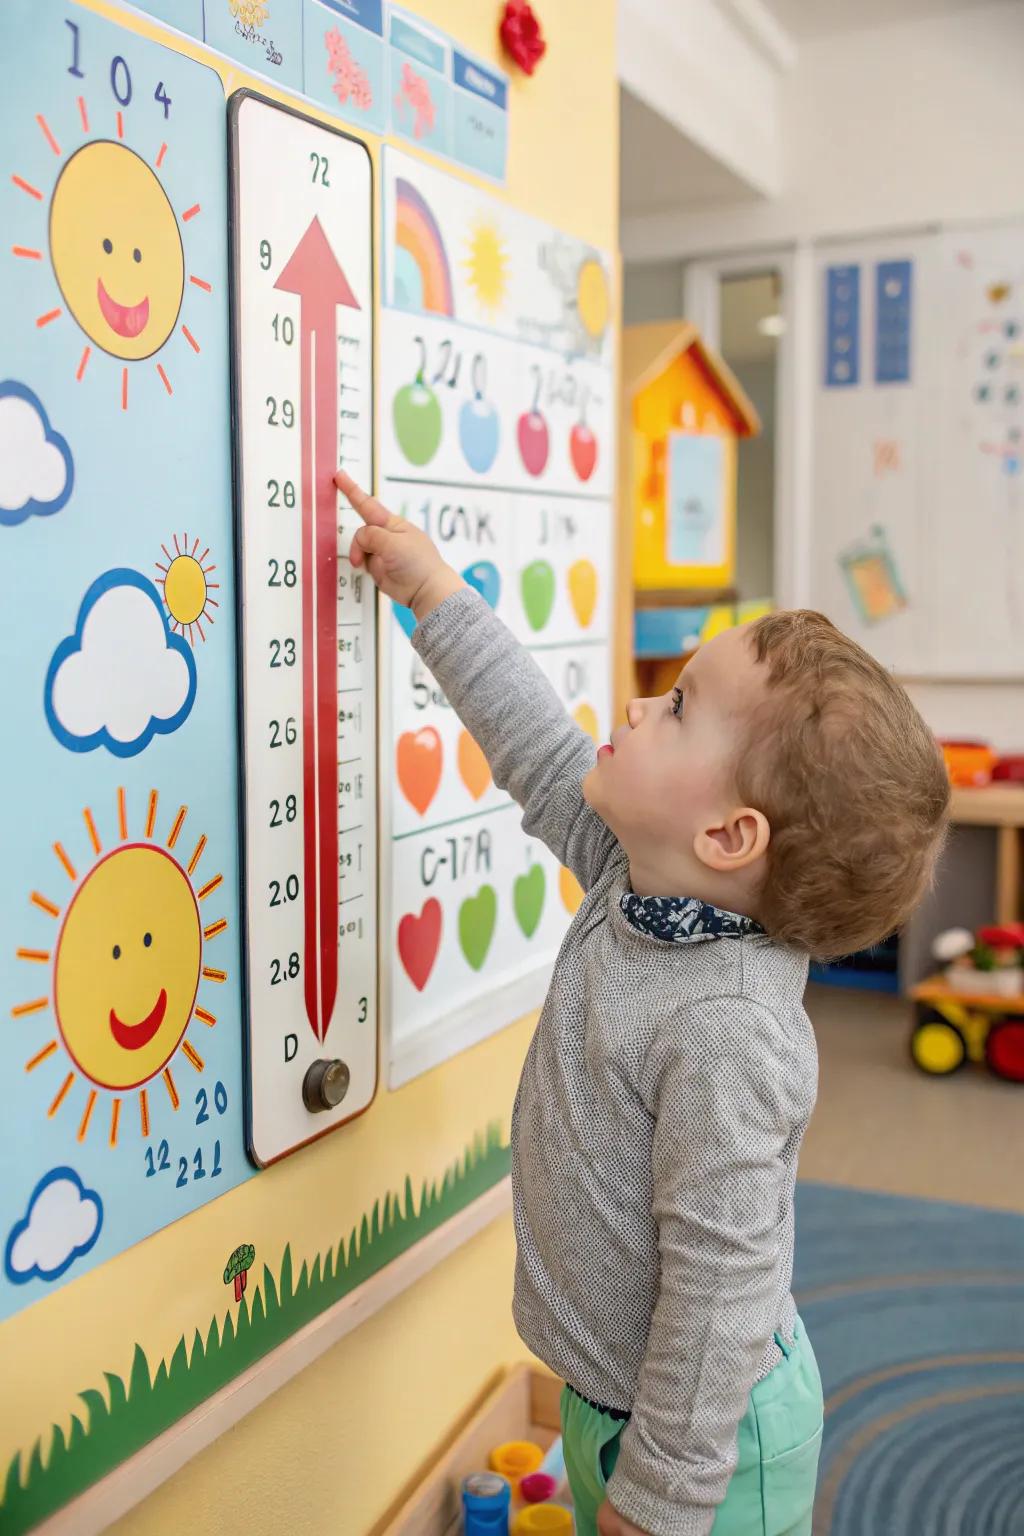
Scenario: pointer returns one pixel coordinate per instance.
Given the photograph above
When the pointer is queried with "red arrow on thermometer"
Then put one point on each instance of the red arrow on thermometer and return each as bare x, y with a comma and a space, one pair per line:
314, 274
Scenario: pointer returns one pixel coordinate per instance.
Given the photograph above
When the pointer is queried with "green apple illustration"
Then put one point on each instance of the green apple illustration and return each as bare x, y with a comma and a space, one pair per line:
528, 899
417, 416
477, 916
537, 584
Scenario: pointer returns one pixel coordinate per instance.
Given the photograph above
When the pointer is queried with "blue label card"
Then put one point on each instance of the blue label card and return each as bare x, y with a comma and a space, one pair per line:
893, 304
481, 81
695, 498
420, 96
480, 117
344, 62
842, 327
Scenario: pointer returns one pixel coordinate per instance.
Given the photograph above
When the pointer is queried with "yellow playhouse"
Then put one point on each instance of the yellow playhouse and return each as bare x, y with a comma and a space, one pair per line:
684, 412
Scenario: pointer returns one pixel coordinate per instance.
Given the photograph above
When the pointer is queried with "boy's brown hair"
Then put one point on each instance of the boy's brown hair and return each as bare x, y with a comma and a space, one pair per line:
853, 785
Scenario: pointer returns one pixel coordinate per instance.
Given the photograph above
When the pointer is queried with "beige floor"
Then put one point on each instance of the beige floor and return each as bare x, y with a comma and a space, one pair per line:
881, 1124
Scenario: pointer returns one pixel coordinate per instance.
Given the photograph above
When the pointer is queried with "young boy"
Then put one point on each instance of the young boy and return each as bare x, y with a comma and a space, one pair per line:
784, 799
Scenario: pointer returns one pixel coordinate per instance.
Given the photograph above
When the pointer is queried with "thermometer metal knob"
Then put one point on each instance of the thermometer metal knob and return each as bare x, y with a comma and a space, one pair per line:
325, 1085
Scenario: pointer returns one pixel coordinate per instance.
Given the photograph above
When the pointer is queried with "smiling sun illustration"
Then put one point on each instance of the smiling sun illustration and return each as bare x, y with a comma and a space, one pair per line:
115, 246
126, 966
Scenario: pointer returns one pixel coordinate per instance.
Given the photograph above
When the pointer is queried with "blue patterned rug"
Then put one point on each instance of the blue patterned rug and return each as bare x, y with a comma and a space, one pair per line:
916, 1312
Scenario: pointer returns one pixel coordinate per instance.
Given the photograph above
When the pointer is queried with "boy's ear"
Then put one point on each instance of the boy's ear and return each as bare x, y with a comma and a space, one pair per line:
736, 843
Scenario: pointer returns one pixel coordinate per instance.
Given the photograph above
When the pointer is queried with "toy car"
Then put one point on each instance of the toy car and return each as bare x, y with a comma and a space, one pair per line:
952, 1027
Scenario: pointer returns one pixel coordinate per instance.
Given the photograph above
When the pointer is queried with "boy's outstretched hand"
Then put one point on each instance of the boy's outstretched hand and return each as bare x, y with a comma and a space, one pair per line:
401, 559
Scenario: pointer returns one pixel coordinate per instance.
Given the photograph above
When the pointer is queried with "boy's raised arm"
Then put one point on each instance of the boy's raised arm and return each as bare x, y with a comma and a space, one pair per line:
536, 753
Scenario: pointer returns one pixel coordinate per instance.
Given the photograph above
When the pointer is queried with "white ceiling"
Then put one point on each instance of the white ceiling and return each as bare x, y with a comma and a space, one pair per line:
662, 169
806, 19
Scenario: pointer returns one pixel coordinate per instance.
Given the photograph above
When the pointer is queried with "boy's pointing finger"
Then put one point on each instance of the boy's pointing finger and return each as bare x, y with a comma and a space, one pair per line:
368, 507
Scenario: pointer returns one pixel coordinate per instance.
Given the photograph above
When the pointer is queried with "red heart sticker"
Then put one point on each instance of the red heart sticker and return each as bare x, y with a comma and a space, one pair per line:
419, 939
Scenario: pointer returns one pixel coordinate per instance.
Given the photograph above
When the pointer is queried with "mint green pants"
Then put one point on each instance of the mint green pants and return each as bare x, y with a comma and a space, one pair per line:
772, 1489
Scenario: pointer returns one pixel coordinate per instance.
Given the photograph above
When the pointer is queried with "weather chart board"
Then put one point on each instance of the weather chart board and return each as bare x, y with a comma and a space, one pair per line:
205, 761
496, 400
303, 288
120, 1055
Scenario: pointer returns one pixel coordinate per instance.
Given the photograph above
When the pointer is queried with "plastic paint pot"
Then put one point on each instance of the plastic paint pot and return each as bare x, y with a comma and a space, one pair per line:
543, 1520
516, 1459
537, 1487
485, 1504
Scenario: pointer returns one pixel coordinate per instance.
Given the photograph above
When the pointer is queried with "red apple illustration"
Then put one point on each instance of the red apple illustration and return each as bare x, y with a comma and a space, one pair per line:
532, 434
583, 444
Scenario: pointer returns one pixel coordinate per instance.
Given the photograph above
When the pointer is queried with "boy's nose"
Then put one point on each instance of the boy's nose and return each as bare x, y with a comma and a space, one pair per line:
635, 712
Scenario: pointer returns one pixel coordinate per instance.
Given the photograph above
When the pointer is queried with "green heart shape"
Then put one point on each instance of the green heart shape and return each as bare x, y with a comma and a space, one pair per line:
528, 899
477, 917
537, 584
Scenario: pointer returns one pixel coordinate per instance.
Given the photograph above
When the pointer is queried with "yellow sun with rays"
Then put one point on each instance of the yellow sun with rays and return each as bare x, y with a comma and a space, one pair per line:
187, 586
115, 244
126, 966
593, 300
487, 266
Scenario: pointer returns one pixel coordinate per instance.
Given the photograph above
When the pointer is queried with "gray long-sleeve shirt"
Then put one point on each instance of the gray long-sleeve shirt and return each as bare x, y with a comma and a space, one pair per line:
657, 1124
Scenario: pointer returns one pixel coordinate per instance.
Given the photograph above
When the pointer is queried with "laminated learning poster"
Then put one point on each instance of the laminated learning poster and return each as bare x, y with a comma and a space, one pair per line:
120, 1054
496, 403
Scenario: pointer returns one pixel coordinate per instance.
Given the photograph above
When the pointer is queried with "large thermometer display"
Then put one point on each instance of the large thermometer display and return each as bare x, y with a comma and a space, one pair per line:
303, 333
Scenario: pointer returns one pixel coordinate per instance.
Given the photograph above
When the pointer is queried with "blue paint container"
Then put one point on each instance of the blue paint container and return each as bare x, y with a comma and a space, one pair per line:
485, 1503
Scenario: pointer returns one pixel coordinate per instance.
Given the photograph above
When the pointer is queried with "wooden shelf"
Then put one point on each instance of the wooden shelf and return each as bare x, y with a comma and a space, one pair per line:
995, 805
684, 597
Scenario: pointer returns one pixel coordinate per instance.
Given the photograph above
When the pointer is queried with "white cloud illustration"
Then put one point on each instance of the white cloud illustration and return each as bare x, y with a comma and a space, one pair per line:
62, 1223
36, 470
123, 676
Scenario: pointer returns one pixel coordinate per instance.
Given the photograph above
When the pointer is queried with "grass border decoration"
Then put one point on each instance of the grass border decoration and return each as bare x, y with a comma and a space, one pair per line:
117, 1423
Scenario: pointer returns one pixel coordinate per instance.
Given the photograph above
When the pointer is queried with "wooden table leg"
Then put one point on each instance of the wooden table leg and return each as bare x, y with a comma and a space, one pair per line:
1008, 874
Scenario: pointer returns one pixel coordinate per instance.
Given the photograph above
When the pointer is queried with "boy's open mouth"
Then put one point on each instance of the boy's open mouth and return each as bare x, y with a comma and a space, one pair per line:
606, 751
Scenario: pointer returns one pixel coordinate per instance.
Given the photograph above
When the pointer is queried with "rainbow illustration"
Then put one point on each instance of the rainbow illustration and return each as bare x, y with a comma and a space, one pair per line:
423, 278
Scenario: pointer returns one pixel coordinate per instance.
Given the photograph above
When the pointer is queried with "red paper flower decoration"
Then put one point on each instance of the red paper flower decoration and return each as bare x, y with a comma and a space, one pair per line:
521, 35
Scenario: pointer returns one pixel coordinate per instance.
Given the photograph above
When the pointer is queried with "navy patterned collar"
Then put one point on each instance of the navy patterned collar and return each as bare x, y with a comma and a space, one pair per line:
684, 919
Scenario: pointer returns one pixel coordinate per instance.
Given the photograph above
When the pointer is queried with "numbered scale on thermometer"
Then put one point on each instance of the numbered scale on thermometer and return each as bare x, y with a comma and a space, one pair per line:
303, 334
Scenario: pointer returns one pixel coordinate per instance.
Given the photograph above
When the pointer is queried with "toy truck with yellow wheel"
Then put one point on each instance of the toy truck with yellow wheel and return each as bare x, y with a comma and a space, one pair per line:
974, 1010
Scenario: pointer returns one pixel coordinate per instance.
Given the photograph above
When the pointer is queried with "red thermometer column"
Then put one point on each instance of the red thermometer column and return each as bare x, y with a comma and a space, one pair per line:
315, 275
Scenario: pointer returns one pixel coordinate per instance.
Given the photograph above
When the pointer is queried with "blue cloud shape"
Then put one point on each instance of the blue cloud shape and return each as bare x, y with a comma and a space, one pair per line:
62, 1223
48, 441
144, 652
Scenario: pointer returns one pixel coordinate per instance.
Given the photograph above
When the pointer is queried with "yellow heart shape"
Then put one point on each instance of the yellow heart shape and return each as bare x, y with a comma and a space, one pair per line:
473, 769
586, 719
583, 591
570, 890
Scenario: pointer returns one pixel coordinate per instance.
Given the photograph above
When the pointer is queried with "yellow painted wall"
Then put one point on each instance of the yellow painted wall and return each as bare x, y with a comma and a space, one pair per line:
331, 1451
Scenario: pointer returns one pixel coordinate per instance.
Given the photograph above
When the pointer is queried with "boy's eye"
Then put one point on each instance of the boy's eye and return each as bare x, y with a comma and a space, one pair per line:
677, 701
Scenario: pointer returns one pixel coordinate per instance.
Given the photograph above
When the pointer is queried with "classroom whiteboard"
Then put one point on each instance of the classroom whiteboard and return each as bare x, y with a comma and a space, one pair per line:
918, 432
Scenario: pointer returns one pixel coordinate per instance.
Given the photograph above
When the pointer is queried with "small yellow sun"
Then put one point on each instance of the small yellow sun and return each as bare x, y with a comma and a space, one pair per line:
187, 587
487, 265
126, 965
593, 300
